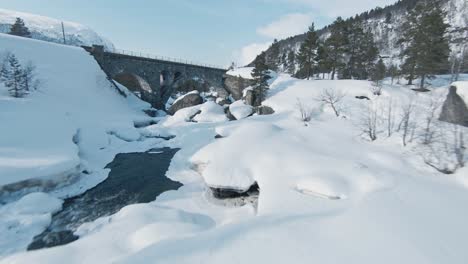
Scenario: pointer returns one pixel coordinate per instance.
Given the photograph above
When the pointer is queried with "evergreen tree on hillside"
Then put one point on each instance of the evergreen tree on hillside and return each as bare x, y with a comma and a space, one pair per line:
291, 63
20, 29
308, 53
13, 77
427, 47
362, 52
260, 76
324, 65
336, 45
378, 74
273, 58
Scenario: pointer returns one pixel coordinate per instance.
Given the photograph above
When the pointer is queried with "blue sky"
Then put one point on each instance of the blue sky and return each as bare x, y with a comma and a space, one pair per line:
210, 31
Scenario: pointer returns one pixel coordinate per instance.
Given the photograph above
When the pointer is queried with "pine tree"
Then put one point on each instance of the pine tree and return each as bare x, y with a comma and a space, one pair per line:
291, 63
378, 74
393, 72
13, 77
322, 59
28, 78
308, 52
273, 58
336, 45
388, 18
20, 29
428, 47
362, 52
260, 75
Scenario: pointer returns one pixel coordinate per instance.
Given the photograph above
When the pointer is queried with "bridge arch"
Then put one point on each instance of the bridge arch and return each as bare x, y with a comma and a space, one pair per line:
136, 84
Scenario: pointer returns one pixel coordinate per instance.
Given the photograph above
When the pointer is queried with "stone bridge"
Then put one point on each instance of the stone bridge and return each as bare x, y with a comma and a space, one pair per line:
154, 79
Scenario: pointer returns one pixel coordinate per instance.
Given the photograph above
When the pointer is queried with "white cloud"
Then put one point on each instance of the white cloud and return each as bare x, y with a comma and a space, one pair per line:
248, 53
286, 26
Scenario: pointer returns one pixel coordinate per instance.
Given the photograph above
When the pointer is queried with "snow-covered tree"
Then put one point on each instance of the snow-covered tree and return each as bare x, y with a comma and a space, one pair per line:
18, 79
20, 29
12, 75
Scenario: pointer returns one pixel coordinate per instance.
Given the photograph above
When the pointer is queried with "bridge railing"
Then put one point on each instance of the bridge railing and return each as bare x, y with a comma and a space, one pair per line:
164, 58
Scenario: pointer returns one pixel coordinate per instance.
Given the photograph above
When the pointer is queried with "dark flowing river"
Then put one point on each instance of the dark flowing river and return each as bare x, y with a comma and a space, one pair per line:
134, 178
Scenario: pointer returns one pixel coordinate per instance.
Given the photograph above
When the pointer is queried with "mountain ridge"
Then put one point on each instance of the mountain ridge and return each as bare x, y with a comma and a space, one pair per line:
385, 24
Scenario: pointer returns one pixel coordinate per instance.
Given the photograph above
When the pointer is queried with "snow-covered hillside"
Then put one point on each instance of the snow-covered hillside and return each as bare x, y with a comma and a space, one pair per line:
60, 137
74, 100
50, 29
327, 194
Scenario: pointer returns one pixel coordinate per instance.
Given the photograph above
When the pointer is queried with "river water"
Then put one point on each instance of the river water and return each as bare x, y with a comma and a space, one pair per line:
134, 178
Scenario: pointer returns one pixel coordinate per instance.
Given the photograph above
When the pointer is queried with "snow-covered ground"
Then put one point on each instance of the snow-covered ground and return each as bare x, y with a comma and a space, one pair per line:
327, 193
50, 29
62, 134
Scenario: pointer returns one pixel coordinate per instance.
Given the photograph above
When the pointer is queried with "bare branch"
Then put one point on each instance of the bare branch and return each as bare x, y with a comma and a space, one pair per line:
332, 98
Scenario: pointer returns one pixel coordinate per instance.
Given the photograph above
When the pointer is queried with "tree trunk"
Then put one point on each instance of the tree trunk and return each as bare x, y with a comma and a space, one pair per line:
423, 79
410, 79
333, 73
411, 76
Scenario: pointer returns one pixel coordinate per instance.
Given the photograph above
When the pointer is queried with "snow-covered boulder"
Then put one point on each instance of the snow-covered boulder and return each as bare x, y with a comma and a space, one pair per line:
239, 110
190, 99
455, 109
211, 112
264, 110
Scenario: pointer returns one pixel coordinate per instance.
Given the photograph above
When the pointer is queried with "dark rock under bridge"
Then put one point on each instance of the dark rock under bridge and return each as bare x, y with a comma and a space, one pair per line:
154, 79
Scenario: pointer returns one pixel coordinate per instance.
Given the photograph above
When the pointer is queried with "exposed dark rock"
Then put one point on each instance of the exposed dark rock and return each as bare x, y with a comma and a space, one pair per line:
229, 115
224, 101
421, 90
194, 115
151, 112
218, 136
251, 98
362, 97
53, 239
227, 193
235, 85
188, 100
454, 109
264, 110
141, 124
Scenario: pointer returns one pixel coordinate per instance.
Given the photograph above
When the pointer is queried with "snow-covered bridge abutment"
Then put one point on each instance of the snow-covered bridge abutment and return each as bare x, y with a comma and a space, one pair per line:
154, 79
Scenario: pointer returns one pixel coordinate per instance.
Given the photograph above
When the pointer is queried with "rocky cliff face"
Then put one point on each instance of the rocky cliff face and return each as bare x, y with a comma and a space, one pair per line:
235, 85
385, 25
